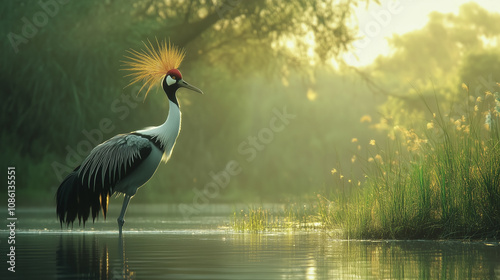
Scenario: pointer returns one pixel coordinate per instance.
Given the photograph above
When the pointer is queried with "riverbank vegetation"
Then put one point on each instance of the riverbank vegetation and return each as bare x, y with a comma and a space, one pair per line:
439, 179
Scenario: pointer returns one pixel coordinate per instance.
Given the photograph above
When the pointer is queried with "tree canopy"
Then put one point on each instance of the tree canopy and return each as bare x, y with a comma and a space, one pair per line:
449, 50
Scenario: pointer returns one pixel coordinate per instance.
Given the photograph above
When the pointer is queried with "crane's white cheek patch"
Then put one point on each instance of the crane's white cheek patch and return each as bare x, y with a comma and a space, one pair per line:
170, 81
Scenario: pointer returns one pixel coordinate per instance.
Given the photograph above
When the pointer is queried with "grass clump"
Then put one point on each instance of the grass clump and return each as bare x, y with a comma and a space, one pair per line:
253, 220
289, 217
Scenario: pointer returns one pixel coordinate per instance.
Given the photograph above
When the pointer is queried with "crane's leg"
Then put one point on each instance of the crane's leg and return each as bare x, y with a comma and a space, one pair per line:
120, 219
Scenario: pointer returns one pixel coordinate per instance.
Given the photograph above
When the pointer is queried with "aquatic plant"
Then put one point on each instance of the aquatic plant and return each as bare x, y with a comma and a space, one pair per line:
291, 216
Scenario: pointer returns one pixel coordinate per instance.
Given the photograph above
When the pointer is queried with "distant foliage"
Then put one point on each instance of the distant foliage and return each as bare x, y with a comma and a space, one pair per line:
61, 79
449, 50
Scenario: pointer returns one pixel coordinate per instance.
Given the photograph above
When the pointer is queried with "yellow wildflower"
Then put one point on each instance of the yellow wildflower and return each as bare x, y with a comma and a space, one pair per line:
465, 87
353, 159
366, 118
334, 171
354, 140
466, 128
372, 142
479, 99
430, 125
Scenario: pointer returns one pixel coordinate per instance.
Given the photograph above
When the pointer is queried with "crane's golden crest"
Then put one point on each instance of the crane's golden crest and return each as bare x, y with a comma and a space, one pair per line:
152, 64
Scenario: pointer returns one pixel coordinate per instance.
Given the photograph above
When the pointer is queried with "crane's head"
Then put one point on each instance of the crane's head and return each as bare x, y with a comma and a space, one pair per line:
158, 66
173, 81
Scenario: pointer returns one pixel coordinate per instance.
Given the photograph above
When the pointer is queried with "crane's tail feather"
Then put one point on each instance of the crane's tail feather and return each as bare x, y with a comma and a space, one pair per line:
75, 200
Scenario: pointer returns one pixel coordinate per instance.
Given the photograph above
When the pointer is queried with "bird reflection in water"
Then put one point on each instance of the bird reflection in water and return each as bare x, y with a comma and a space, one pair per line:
91, 256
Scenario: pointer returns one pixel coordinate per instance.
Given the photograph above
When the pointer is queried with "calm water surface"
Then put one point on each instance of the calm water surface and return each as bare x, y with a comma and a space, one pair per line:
159, 243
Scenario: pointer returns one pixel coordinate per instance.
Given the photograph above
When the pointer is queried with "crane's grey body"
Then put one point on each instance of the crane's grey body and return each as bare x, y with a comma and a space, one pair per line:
129, 184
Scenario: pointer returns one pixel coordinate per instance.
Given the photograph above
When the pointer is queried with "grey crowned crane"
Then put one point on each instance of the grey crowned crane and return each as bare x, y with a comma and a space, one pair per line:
126, 162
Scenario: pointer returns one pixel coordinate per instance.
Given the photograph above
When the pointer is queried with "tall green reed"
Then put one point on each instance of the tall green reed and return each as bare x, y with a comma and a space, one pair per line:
438, 180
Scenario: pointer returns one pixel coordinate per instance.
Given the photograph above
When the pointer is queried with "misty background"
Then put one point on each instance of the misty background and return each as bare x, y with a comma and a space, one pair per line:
63, 91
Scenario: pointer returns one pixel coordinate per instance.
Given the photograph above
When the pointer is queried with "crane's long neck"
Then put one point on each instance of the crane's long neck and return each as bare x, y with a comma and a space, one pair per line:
166, 134
170, 129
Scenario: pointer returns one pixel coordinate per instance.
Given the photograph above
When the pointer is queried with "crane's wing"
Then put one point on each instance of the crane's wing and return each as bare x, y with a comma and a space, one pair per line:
113, 159
107, 164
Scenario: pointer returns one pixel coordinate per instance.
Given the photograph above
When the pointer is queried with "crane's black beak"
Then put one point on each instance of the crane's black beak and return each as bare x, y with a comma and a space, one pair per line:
183, 84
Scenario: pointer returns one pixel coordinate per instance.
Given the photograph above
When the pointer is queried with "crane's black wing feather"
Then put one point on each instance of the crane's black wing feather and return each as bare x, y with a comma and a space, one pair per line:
90, 185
